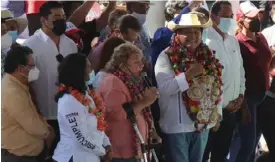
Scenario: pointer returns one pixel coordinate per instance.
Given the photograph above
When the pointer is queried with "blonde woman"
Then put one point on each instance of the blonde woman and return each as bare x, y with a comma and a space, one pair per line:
123, 86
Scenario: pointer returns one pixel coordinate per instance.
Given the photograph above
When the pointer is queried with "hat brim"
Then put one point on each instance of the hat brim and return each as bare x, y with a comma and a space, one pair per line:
22, 23
252, 13
173, 26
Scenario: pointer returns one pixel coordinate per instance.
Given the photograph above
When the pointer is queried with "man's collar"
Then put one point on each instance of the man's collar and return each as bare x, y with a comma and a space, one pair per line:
44, 36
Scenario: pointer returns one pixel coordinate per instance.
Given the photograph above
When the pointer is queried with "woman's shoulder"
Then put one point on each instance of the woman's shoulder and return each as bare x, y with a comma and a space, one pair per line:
111, 82
67, 103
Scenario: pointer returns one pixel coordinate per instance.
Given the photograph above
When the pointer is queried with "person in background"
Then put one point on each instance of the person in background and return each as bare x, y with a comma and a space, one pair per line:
266, 114
81, 122
23, 130
128, 29
32, 10
269, 32
139, 9
172, 9
71, 6
121, 88
48, 43
256, 60
106, 54
227, 23
227, 51
6, 42
92, 28
15, 25
113, 24
177, 70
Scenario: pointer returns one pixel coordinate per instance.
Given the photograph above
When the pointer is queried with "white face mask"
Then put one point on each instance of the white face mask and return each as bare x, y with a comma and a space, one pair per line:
33, 74
6, 41
228, 25
141, 17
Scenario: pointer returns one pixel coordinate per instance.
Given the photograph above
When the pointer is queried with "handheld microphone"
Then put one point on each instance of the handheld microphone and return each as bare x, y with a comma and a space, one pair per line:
146, 80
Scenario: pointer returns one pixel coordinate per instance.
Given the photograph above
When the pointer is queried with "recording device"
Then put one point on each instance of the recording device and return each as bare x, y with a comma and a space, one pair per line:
146, 80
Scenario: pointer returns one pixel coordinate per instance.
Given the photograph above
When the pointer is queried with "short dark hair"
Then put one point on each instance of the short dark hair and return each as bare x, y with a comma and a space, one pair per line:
217, 6
107, 51
115, 16
45, 9
16, 56
71, 73
129, 22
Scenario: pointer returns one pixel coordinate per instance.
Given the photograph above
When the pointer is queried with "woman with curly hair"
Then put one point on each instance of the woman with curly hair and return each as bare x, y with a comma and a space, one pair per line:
124, 86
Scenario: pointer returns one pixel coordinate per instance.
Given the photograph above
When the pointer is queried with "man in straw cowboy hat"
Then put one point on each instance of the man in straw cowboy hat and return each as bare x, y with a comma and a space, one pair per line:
15, 25
190, 86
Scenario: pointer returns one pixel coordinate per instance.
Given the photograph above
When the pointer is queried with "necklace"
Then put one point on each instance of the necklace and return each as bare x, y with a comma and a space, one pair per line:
135, 89
204, 93
98, 110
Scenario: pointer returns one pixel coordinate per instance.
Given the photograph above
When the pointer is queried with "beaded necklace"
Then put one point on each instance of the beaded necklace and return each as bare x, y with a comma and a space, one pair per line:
204, 93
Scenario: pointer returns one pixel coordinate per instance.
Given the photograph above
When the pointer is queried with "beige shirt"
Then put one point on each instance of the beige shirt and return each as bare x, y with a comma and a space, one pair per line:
23, 129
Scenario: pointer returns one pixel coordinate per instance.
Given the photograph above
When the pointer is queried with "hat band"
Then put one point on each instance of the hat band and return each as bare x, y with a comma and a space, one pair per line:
7, 18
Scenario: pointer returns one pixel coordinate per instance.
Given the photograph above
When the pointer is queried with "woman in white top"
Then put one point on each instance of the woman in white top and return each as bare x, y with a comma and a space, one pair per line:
80, 114
104, 56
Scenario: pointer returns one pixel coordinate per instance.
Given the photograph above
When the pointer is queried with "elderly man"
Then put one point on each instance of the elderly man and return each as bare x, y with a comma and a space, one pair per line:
23, 130
227, 50
190, 86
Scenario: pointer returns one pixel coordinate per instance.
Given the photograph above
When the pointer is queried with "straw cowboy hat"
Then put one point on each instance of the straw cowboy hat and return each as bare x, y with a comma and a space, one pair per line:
191, 20
8, 16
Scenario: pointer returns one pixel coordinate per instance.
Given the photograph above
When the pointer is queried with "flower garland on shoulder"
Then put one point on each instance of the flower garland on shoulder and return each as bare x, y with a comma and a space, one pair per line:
98, 110
135, 89
203, 90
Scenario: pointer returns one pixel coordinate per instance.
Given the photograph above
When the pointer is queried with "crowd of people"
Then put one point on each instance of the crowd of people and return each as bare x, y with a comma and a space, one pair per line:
201, 90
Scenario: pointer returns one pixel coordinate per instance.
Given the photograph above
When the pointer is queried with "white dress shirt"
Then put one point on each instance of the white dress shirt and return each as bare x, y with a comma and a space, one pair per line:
79, 137
45, 52
269, 34
173, 114
229, 54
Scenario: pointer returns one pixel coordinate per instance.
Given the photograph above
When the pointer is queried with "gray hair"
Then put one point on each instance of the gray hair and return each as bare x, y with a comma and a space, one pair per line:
121, 55
172, 6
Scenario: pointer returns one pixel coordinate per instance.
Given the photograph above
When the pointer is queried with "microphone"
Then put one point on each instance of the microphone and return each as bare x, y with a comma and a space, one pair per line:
146, 80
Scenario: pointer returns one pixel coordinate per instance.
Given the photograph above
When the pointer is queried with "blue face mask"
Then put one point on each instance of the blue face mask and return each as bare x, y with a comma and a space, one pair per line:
14, 35
91, 78
227, 25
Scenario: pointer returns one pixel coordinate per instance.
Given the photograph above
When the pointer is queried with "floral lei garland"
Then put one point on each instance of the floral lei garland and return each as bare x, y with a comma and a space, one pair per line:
99, 111
181, 59
135, 89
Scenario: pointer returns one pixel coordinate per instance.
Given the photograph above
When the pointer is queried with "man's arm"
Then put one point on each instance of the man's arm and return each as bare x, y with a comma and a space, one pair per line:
78, 17
102, 21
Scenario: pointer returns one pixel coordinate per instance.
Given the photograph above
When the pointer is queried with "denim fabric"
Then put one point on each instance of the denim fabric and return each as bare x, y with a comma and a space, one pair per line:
250, 133
185, 147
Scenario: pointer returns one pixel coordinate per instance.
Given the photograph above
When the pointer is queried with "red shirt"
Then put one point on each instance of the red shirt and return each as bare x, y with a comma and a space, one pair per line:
256, 60
32, 6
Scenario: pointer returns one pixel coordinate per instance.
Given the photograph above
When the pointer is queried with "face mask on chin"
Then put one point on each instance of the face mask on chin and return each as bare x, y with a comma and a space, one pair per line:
141, 17
227, 25
6, 41
59, 27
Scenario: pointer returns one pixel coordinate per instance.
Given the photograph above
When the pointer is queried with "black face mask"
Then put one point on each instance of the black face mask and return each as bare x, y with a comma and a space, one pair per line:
255, 25
59, 27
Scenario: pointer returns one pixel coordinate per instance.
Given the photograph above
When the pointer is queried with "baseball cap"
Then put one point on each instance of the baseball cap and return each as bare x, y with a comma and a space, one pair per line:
247, 9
